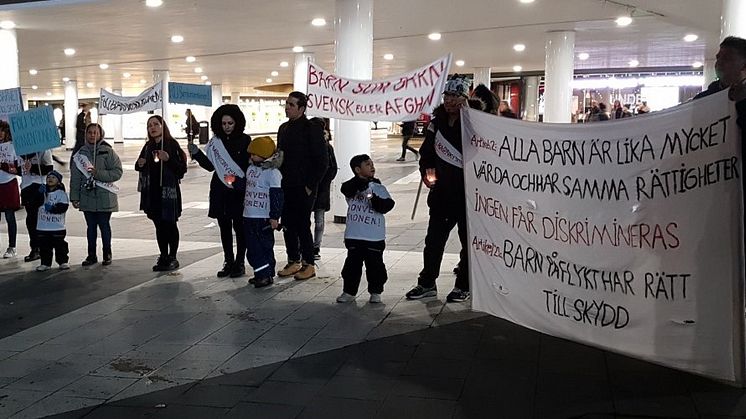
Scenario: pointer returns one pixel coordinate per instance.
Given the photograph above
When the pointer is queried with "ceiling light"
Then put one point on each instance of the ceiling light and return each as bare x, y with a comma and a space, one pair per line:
190, 59
697, 64
527, 1
66, 79
583, 56
319, 21
208, 83
434, 36
153, 3
519, 47
49, 93
691, 37
34, 87
7, 24
388, 57
143, 81
298, 49
89, 85
103, 66
69, 51
33, 72
633, 63
623, 20
460, 63
198, 70
274, 73
517, 68
177, 39
268, 80
284, 64
204, 78
126, 75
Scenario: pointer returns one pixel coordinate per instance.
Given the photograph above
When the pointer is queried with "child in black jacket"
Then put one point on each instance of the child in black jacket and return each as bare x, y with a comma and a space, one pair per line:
53, 204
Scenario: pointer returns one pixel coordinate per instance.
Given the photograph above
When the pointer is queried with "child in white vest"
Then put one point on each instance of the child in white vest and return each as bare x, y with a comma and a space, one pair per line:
365, 230
53, 203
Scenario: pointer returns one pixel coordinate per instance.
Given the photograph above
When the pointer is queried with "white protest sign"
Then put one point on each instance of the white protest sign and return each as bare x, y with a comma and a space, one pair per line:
149, 100
399, 98
625, 235
10, 102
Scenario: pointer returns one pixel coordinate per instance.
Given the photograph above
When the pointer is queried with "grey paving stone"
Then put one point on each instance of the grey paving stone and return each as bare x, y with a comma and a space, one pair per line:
362, 367
252, 377
263, 410
413, 408
308, 370
189, 412
93, 387
213, 395
450, 351
56, 403
121, 412
727, 402
668, 406
361, 388
333, 407
279, 392
13, 401
428, 387
444, 368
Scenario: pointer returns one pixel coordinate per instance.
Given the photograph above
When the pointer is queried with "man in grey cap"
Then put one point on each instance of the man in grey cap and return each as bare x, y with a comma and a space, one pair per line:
442, 172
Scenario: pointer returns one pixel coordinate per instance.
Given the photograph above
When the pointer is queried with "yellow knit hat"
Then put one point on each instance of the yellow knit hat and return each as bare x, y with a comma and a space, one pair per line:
263, 147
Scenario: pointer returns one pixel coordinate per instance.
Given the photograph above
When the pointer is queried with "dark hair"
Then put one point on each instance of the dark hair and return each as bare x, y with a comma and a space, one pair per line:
5, 127
601, 105
302, 98
167, 138
100, 128
216, 120
358, 160
489, 99
735, 43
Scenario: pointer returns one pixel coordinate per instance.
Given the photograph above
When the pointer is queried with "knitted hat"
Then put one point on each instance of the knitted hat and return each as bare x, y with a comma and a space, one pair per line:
458, 85
56, 174
263, 147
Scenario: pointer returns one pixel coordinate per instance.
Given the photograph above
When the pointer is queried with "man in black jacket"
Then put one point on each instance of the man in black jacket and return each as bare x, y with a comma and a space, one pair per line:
305, 160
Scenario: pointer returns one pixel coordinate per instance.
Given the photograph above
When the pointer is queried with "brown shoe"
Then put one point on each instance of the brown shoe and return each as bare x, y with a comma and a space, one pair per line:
290, 269
306, 272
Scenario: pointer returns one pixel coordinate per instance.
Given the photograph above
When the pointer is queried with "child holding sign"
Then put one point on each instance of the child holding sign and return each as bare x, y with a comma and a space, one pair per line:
53, 202
365, 230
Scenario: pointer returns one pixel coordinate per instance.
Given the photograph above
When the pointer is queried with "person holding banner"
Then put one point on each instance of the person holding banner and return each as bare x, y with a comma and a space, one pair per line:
162, 164
227, 156
92, 189
35, 168
10, 200
441, 167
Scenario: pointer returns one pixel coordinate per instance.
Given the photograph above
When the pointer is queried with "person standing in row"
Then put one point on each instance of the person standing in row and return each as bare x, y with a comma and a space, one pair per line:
227, 155
192, 126
323, 202
81, 122
36, 167
10, 200
162, 164
53, 203
92, 189
305, 162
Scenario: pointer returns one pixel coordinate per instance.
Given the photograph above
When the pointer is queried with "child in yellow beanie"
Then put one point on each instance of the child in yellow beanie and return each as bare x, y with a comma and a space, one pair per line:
262, 209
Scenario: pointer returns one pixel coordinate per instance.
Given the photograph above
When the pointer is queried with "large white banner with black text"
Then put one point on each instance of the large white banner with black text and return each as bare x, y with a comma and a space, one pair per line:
150, 99
625, 235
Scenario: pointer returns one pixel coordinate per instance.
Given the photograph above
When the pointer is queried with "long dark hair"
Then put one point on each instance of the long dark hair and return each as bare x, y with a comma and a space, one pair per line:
166, 137
5, 127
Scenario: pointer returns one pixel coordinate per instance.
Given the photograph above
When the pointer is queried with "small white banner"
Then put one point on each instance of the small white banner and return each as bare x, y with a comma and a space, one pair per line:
398, 98
149, 100
626, 235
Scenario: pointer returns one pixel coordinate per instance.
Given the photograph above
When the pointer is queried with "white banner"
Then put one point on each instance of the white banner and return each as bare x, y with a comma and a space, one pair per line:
398, 98
149, 100
625, 235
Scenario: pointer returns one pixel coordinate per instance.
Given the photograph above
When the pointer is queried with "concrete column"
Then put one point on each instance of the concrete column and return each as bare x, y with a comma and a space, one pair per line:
559, 69
353, 42
732, 18
217, 96
117, 122
300, 71
708, 71
235, 97
9, 77
71, 112
164, 76
531, 98
482, 75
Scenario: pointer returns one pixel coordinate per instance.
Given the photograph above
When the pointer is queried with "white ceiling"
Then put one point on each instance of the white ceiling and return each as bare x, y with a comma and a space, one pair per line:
239, 42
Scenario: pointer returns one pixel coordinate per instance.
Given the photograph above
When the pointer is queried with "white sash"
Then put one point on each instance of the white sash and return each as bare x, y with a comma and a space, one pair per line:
82, 163
447, 152
221, 160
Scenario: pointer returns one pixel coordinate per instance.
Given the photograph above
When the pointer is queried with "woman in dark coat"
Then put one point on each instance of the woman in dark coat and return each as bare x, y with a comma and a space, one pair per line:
162, 164
227, 156
323, 198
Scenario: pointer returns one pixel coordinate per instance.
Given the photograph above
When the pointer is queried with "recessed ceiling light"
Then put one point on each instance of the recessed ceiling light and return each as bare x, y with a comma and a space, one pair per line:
268, 80
190, 59
49, 93
103, 66
527, 1
284, 64
154, 3
633, 63
298, 49
388, 57
583, 56
69, 51
89, 84
691, 37
66, 79
208, 83
34, 87
7, 24
319, 21
143, 81
274, 73
697, 64
33, 72
623, 20
435, 36
460, 63
177, 39
126, 75
198, 70
204, 78
519, 47
517, 68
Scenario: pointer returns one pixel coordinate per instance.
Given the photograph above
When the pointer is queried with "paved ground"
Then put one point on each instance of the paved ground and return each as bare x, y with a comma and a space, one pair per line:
124, 342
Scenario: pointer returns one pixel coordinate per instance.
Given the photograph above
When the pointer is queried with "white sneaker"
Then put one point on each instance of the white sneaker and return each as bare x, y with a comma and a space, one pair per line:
10, 253
345, 298
64, 266
42, 268
375, 298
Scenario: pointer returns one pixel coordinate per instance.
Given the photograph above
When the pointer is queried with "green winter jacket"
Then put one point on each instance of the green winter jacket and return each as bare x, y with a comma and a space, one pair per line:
108, 169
